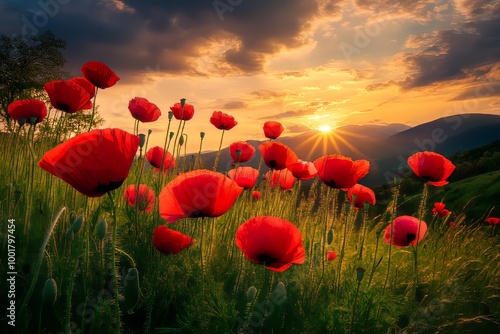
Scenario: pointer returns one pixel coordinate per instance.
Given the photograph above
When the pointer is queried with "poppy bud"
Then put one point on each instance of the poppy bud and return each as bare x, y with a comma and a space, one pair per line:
181, 141
360, 272
183, 101
49, 293
100, 229
170, 115
347, 207
330, 236
366, 205
22, 121
251, 292
202, 135
143, 140
131, 290
278, 295
171, 134
33, 120
77, 224
150, 132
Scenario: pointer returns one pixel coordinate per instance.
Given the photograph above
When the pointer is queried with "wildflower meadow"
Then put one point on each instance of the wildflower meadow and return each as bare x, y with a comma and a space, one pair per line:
104, 233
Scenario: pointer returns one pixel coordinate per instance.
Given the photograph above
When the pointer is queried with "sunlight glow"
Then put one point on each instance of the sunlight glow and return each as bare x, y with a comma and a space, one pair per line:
325, 128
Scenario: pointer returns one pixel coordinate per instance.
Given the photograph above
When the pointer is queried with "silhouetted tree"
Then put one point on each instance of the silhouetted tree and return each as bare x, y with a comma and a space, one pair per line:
26, 64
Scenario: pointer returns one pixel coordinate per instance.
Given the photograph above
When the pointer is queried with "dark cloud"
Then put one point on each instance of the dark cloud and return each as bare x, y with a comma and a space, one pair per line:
420, 9
289, 114
298, 128
483, 90
470, 51
131, 35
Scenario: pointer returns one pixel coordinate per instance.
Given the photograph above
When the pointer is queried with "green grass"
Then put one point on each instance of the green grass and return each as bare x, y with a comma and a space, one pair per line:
212, 288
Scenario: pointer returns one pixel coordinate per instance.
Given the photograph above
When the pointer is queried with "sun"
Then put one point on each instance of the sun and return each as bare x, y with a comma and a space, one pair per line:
325, 128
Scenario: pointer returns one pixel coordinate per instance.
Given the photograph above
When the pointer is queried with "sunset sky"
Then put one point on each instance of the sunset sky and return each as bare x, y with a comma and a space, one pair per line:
304, 63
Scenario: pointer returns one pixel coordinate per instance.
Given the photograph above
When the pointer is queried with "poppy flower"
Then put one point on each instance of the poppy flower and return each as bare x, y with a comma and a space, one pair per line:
493, 220
245, 177
452, 225
144, 198
363, 194
169, 241
67, 96
432, 167
405, 231
331, 255
256, 194
185, 113
272, 129
283, 178
440, 210
277, 155
274, 242
87, 85
199, 193
222, 121
99, 74
143, 110
303, 170
94, 162
27, 109
241, 151
338, 171
155, 156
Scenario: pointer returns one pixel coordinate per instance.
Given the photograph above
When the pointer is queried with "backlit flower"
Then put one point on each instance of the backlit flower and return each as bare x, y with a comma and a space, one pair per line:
143, 110
222, 121
182, 113
99, 74
241, 151
362, 194
277, 155
440, 210
338, 171
169, 241
405, 231
303, 170
94, 162
245, 177
272, 129
27, 109
67, 96
274, 242
284, 178
432, 167
144, 199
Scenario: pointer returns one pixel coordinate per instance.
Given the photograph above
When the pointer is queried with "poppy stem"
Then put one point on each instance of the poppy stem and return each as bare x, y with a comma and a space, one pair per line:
93, 109
365, 227
218, 152
162, 166
113, 262
421, 212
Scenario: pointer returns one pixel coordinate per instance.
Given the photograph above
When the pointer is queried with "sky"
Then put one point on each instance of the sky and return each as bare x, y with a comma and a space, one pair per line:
304, 63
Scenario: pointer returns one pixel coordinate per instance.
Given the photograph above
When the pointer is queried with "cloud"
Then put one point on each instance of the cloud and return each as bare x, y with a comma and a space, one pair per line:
130, 35
234, 105
290, 114
468, 52
266, 94
483, 90
298, 128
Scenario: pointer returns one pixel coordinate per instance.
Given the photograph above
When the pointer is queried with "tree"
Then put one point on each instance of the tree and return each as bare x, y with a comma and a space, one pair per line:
26, 64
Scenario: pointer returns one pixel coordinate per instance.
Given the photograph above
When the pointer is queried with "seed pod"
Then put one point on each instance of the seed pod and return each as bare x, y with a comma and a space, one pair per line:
329, 238
77, 224
251, 292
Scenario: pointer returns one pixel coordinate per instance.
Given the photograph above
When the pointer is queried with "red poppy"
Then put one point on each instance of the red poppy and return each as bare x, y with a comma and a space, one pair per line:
284, 178
493, 220
245, 177
256, 194
199, 193
331, 255
143, 110
405, 231
67, 96
87, 85
155, 156
338, 171
432, 167
277, 155
452, 225
222, 121
99, 74
440, 210
274, 242
363, 194
244, 149
272, 129
144, 198
27, 109
185, 113
94, 162
303, 170
169, 241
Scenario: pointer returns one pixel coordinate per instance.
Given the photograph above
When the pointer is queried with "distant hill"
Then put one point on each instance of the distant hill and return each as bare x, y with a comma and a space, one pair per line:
387, 147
